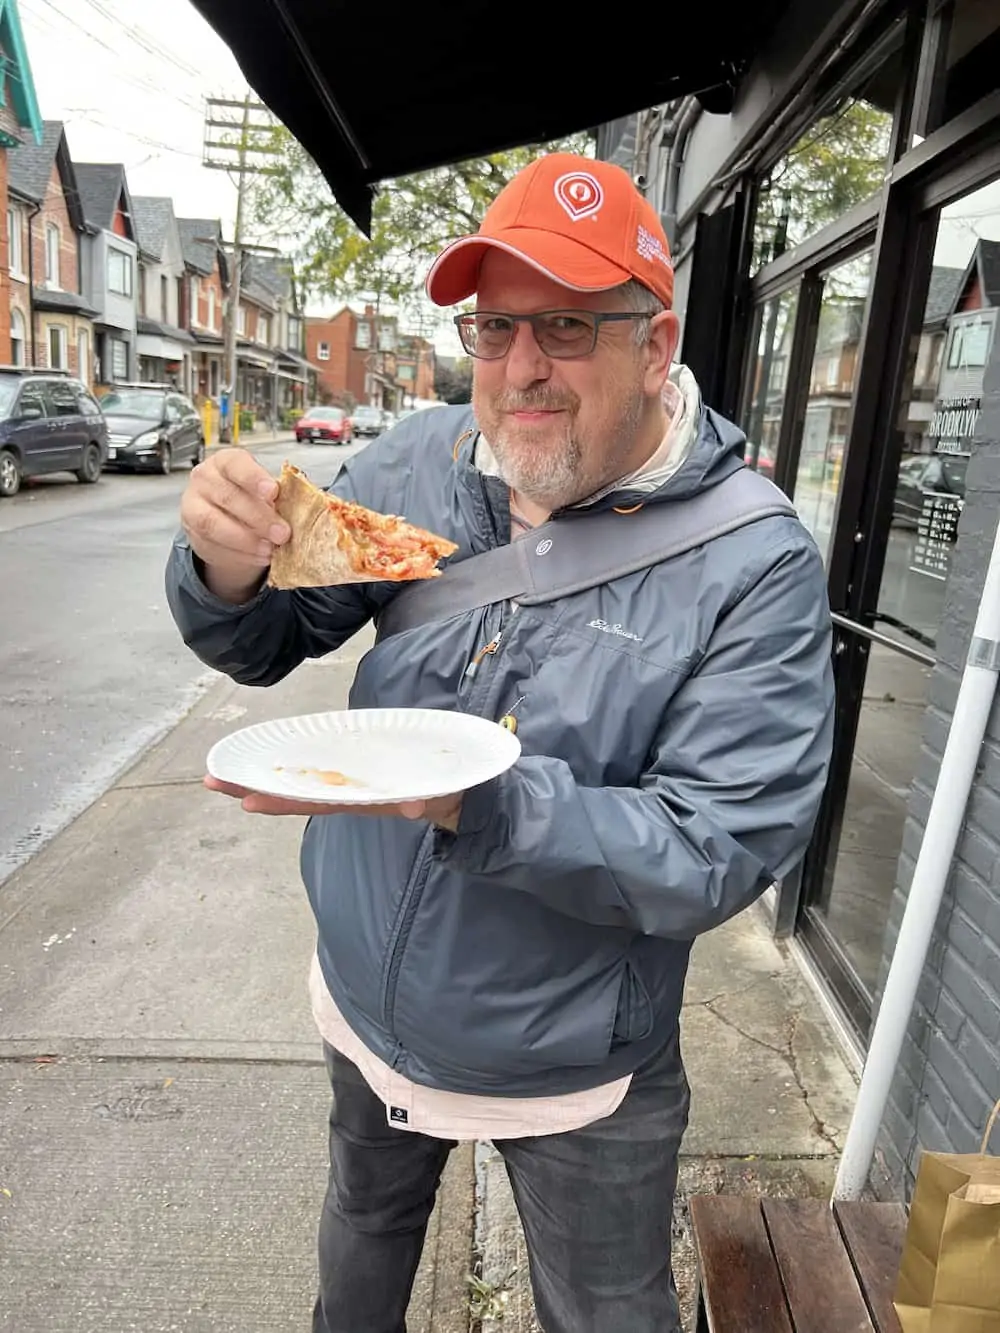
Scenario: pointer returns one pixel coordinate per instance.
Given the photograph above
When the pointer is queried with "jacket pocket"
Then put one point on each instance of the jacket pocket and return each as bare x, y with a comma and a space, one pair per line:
634, 1017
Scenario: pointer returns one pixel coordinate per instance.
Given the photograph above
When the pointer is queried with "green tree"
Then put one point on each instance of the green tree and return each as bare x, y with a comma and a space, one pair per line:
412, 218
453, 380
837, 163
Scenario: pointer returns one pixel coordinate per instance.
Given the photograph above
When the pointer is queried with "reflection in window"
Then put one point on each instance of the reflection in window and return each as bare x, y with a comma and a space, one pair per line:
970, 344
775, 325
839, 162
940, 416
831, 396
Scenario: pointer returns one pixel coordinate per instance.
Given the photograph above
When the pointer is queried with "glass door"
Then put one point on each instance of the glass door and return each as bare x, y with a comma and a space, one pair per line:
888, 649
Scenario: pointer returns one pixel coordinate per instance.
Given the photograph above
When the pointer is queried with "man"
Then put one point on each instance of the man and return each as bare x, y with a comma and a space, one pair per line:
508, 963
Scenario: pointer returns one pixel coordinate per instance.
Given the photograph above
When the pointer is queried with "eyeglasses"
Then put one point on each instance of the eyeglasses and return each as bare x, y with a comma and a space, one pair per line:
562, 334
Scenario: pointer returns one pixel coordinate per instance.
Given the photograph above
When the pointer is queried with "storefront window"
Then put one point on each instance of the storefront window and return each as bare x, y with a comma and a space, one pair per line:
941, 414
831, 396
775, 324
839, 162
939, 417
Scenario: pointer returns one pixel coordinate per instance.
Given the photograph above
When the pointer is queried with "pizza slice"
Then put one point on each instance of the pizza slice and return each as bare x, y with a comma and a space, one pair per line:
334, 541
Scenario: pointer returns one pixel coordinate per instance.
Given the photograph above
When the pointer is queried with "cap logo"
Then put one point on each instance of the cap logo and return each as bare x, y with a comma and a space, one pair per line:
580, 194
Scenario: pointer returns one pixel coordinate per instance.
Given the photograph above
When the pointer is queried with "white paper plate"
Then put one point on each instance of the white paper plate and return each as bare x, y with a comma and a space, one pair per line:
387, 754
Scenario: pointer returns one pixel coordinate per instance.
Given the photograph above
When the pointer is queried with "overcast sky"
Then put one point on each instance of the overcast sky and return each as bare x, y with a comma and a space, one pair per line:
134, 92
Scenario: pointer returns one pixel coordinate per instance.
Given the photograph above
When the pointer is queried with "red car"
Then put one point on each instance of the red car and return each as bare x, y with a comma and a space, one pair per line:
322, 425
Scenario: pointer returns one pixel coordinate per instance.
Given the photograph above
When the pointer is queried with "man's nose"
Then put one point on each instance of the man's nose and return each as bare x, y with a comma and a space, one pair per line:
526, 362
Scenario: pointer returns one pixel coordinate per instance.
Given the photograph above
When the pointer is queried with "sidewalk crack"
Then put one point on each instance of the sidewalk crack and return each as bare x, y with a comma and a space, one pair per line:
734, 994
787, 1054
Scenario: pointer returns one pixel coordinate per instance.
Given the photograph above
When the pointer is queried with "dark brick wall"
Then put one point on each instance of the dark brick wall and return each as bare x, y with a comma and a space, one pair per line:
949, 1073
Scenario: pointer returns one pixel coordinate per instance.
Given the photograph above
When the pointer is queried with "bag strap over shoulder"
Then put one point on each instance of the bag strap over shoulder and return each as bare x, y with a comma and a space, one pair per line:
581, 550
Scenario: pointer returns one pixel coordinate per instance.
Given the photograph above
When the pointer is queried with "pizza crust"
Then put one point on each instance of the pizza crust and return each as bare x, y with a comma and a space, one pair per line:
335, 542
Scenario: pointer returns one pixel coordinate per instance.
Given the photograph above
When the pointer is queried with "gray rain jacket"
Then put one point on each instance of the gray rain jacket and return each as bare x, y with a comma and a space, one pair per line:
670, 771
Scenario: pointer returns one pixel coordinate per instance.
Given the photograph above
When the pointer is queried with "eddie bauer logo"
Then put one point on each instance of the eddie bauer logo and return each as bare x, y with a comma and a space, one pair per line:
580, 194
619, 630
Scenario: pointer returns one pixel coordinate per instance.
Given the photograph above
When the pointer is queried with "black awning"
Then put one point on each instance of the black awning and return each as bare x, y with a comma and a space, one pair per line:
382, 90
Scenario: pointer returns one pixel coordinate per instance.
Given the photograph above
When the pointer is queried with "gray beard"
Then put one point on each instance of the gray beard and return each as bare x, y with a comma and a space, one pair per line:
551, 479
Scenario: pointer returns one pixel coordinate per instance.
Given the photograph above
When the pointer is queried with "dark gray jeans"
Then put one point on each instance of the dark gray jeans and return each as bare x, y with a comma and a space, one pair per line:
595, 1203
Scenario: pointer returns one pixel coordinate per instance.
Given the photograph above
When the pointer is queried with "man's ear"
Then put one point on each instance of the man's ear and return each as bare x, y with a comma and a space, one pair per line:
660, 348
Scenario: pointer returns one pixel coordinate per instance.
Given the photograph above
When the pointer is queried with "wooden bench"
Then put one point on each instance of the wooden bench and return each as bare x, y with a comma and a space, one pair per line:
796, 1265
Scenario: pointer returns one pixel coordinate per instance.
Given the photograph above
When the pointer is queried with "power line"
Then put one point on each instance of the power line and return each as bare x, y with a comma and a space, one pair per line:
143, 39
84, 113
145, 85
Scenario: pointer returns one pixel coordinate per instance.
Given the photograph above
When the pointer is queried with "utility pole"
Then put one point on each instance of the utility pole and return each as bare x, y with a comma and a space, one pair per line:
242, 151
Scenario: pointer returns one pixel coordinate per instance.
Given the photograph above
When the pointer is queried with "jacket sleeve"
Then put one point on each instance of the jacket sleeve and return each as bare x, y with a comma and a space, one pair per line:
729, 798
263, 640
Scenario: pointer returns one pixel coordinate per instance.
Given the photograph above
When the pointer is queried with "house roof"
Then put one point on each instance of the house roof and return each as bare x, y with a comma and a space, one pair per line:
944, 287
989, 270
276, 273
29, 170
46, 298
201, 240
292, 54
265, 279
163, 330
101, 186
29, 166
984, 265
152, 214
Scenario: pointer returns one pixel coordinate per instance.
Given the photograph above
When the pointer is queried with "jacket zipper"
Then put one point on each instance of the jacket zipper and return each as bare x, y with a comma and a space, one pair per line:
488, 651
422, 861
420, 869
401, 929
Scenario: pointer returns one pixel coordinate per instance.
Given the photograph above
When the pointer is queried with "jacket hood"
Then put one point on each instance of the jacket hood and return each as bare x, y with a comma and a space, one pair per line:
716, 452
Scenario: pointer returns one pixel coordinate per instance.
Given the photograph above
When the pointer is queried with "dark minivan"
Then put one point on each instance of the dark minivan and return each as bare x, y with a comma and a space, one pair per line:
48, 423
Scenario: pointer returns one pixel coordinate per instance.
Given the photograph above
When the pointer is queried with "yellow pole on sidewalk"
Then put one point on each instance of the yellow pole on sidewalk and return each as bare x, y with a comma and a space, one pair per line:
236, 423
206, 422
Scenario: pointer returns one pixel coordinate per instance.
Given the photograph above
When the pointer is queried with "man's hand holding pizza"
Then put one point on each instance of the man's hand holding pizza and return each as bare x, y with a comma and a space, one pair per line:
228, 513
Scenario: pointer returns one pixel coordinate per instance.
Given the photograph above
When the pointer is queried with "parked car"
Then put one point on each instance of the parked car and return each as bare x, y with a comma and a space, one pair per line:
368, 420
940, 474
48, 423
324, 423
151, 427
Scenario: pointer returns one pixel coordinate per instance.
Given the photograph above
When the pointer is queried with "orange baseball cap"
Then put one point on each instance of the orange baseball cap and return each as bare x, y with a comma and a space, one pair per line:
579, 221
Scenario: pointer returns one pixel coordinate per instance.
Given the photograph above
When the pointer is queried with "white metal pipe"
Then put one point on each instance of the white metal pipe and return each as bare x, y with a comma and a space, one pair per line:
937, 849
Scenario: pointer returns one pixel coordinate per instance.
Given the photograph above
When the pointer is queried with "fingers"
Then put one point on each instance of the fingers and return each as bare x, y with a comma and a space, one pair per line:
226, 788
228, 513
258, 803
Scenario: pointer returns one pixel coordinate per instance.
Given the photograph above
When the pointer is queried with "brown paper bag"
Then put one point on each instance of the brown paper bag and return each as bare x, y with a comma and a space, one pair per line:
949, 1277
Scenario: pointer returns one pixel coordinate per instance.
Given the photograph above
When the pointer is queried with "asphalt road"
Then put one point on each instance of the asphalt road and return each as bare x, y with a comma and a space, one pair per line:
91, 666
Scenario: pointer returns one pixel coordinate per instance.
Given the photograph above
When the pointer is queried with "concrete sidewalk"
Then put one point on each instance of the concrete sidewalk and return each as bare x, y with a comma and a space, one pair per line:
162, 1138
260, 439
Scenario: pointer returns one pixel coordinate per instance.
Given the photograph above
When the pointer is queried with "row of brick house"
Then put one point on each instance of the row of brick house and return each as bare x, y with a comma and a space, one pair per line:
112, 287
366, 358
